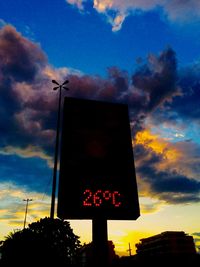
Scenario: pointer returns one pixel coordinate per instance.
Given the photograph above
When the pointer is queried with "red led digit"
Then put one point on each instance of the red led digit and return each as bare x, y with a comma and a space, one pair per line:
88, 198
116, 203
97, 198
107, 195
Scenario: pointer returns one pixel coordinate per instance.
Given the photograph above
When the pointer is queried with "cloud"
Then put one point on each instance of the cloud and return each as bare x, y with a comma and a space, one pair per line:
23, 59
169, 186
188, 105
158, 78
77, 3
28, 108
150, 205
184, 110
116, 11
28, 152
160, 170
182, 10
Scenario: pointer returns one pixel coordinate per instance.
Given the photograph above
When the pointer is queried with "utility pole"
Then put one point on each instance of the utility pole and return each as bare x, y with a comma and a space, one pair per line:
26, 210
129, 249
53, 195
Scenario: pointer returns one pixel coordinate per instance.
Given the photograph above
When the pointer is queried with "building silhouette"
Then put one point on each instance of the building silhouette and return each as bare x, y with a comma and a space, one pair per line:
167, 243
168, 248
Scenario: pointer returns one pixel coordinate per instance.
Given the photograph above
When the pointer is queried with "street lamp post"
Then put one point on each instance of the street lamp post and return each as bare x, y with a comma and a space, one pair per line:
26, 210
59, 86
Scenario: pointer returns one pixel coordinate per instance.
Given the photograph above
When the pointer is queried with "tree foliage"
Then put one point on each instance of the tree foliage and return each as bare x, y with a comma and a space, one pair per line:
48, 241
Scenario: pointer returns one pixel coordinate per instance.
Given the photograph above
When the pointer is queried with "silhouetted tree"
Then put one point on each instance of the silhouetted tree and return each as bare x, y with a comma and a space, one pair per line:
46, 242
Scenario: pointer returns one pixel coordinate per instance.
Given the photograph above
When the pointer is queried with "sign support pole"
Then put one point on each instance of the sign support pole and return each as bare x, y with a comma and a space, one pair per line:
100, 242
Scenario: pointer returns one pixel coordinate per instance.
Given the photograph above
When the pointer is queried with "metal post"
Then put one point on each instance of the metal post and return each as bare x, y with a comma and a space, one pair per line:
26, 210
53, 195
100, 242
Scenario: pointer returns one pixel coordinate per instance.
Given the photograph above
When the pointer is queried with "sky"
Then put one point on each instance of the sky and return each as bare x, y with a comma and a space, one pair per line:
143, 53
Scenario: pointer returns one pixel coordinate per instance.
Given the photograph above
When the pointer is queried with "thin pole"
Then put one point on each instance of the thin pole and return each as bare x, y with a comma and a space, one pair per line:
53, 195
129, 249
56, 158
26, 210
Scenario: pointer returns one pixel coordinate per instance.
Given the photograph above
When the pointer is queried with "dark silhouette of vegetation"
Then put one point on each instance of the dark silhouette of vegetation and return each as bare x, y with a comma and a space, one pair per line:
46, 242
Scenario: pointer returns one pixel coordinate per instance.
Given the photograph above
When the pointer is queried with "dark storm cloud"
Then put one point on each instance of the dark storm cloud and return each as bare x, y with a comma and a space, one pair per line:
21, 63
168, 185
111, 88
120, 79
176, 183
184, 106
157, 78
187, 106
20, 59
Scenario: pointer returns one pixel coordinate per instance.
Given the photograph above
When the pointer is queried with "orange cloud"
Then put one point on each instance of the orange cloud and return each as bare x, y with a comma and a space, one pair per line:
158, 145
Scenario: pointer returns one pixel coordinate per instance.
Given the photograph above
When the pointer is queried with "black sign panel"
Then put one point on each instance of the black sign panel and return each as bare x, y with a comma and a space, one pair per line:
97, 174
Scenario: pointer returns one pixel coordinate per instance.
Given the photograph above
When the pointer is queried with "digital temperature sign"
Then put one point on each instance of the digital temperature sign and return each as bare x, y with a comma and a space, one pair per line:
100, 197
97, 173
